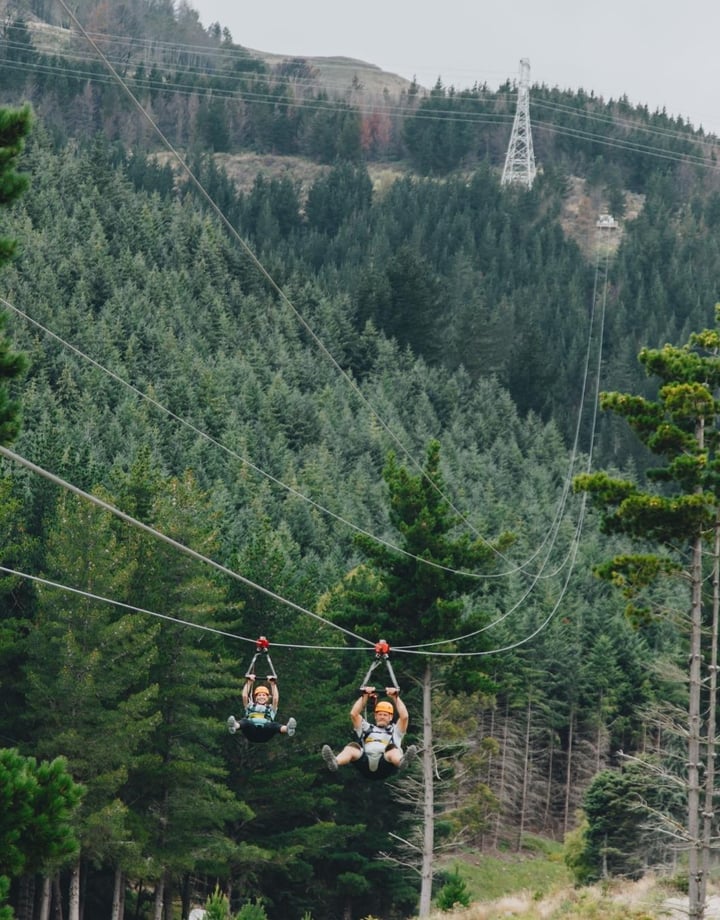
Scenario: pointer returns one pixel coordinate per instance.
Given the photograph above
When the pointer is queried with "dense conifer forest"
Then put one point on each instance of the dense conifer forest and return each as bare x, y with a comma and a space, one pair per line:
299, 382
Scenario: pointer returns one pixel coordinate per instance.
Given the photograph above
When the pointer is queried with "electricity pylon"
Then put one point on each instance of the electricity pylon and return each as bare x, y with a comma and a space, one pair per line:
520, 159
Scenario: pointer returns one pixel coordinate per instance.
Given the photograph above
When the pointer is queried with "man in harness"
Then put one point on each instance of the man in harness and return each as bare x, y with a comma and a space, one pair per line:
377, 753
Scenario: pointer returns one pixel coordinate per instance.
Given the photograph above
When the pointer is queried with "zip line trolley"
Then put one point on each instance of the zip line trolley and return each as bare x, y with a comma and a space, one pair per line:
261, 652
382, 656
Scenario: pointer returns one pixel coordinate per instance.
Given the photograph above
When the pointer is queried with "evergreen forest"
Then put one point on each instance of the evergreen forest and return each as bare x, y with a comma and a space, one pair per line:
327, 412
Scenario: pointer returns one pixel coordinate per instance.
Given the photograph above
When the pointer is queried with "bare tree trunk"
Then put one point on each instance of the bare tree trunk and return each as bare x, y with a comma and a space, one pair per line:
548, 822
709, 807
118, 888
503, 765
527, 759
74, 893
696, 902
26, 897
57, 899
159, 898
45, 899
568, 771
426, 873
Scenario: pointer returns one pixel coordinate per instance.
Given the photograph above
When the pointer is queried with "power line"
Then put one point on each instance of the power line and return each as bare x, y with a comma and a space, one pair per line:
234, 54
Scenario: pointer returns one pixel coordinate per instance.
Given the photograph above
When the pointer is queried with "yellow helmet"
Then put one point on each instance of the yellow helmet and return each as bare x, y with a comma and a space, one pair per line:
261, 689
384, 706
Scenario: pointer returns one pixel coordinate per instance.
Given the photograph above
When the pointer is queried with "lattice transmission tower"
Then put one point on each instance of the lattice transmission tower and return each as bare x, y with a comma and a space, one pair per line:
520, 159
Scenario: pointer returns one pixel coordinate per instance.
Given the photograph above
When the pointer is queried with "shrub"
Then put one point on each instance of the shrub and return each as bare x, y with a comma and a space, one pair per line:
453, 892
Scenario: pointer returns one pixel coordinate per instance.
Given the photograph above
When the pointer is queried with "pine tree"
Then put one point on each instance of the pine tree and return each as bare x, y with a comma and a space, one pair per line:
14, 127
681, 428
419, 597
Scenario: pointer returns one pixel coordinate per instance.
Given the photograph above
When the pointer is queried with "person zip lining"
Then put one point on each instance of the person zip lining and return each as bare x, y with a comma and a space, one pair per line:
377, 751
259, 722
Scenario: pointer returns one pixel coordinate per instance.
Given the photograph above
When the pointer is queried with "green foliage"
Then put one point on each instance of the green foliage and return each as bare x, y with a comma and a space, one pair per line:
15, 125
576, 854
217, 906
252, 911
616, 836
132, 272
454, 892
6, 912
37, 805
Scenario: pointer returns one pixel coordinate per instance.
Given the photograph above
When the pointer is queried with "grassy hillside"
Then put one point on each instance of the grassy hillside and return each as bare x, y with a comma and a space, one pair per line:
537, 886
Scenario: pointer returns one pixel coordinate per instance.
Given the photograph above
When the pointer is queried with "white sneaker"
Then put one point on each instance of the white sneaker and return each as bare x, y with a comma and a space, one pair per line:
329, 758
233, 725
410, 755
291, 723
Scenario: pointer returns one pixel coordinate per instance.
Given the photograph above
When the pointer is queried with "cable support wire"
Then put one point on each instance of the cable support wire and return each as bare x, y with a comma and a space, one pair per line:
165, 616
232, 453
233, 55
436, 114
106, 506
572, 551
294, 82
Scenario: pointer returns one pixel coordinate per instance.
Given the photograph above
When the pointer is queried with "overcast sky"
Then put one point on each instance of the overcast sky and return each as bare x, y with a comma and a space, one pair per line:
663, 54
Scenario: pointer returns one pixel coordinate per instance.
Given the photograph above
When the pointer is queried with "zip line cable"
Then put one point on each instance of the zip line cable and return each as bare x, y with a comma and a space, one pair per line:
572, 551
416, 649
106, 506
11, 455
164, 616
409, 650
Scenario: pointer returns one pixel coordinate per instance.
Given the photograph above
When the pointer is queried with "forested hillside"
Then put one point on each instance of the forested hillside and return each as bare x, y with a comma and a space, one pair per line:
257, 373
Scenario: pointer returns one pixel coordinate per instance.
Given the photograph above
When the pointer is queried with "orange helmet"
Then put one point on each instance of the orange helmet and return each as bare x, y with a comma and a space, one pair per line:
261, 689
384, 706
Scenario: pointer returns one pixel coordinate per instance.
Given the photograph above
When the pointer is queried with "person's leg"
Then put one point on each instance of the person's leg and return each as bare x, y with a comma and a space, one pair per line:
348, 754
399, 758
